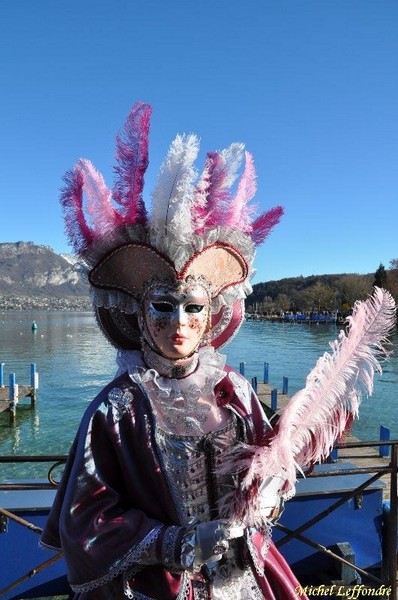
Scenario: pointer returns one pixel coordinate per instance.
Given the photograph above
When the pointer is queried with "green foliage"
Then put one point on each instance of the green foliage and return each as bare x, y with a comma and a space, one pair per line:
317, 293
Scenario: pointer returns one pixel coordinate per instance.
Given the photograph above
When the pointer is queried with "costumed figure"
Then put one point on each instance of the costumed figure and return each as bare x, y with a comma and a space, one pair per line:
173, 480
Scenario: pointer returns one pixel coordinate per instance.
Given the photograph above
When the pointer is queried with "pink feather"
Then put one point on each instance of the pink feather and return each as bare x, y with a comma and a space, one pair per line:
132, 157
217, 194
238, 214
201, 214
213, 195
77, 229
103, 216
263, 225
317, 415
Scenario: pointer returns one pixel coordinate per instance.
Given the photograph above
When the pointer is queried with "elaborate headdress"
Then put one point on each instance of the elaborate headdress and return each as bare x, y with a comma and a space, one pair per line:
197, 228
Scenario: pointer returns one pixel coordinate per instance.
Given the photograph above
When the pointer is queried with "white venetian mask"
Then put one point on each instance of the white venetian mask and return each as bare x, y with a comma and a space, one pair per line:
176, 319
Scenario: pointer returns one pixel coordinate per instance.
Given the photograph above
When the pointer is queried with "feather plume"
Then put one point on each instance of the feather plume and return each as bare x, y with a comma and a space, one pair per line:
102, 214
318, 414
172, 198
213, 194
199, 213
239, 213
132, 158
263, 225
78, 230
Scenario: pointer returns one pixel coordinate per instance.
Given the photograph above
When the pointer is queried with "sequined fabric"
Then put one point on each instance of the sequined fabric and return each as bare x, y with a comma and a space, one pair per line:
190, 462
187, 462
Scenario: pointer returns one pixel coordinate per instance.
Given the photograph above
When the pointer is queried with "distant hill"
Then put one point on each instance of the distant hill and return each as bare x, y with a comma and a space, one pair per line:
33, 276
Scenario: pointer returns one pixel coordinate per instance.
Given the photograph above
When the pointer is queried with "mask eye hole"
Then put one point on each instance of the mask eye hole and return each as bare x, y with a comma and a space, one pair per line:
163, 307
194, 308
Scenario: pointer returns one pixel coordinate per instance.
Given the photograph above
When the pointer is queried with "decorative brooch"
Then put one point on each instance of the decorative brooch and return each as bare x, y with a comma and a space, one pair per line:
120, 401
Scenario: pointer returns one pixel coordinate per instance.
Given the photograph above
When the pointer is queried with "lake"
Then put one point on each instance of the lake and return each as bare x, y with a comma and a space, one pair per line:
74, 362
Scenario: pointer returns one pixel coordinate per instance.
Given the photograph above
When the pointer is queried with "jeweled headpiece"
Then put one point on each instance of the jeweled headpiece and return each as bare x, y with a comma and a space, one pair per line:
198, 228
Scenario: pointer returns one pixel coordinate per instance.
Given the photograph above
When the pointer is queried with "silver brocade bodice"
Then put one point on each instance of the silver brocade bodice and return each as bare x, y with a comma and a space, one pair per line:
190, 462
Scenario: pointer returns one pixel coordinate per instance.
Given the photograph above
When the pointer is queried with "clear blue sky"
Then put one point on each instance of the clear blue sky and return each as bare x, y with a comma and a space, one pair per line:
311, 87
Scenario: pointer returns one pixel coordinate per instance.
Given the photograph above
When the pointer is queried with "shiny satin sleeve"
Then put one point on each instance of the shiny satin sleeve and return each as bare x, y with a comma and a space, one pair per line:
99, 518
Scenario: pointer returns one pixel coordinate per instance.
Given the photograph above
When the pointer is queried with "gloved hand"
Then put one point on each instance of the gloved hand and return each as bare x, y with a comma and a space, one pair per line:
207, 542
212, 540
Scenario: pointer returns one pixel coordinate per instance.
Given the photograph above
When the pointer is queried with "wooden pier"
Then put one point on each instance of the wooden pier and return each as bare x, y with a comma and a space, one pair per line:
24, 391
265, 394
11, 394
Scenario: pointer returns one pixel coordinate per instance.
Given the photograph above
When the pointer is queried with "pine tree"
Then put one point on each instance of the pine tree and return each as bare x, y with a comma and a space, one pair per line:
381, 277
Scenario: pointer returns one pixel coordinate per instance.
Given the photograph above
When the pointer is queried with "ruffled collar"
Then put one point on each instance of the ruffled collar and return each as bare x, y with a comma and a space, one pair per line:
178, 403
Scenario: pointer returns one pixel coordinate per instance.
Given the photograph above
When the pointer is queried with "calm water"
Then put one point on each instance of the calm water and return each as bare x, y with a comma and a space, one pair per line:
74, 361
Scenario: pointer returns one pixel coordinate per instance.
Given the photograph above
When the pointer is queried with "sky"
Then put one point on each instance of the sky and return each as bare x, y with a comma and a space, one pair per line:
310, 87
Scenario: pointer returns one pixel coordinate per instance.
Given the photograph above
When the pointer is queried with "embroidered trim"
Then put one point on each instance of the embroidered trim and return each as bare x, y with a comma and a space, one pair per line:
138, 553
266, 531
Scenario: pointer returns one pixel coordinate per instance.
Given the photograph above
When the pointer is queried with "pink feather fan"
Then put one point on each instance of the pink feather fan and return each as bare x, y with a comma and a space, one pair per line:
317, 415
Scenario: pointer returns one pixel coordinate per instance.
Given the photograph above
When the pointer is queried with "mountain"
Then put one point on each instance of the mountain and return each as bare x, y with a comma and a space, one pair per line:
35, 277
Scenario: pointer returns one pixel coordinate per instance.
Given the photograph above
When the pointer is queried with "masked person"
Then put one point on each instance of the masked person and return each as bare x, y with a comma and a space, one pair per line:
143, 508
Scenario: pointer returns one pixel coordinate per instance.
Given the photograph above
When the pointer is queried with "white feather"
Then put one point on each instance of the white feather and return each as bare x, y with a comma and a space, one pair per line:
232, 158
173, 195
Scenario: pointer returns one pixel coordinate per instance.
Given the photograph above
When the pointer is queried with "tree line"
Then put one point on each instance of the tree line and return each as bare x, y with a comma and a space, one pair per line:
320, 293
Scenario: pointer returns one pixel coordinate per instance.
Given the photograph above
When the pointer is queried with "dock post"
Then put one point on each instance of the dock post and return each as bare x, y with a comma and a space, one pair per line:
254, 384
266, 372
13, 398
2, 374
333, 456
242, 368
385, 435
34, 383
274, 399
285, 386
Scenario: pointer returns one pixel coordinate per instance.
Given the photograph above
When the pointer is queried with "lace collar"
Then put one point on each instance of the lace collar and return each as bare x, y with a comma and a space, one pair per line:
177, 402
